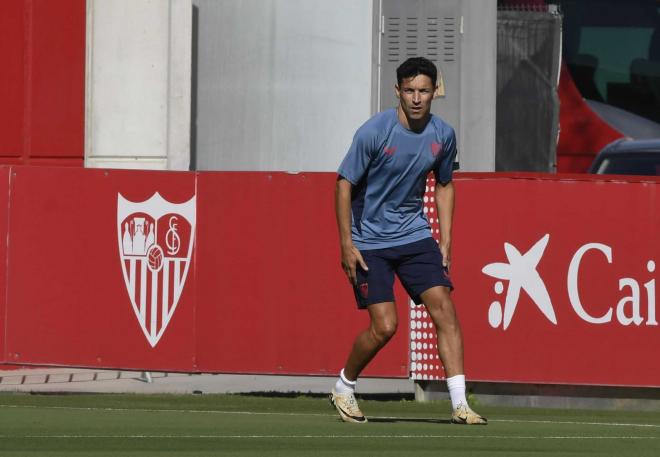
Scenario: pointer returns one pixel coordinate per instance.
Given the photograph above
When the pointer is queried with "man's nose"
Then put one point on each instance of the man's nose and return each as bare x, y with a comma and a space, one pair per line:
417, 97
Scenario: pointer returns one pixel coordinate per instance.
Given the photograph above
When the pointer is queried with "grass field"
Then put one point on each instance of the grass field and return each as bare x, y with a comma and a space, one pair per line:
225, 425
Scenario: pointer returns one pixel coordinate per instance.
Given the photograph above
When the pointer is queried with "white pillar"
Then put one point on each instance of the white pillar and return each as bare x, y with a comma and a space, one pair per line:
138, 79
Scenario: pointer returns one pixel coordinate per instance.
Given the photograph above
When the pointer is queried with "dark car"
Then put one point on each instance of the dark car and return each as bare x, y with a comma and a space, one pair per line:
626, 156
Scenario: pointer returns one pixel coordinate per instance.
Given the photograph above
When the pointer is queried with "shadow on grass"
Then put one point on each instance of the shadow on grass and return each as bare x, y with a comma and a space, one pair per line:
408, 419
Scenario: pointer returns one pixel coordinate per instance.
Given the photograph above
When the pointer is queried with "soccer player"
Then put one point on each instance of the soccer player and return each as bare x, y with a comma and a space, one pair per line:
383, 230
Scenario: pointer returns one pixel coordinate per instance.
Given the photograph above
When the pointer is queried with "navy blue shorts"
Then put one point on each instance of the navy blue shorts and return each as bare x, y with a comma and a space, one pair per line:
418, 266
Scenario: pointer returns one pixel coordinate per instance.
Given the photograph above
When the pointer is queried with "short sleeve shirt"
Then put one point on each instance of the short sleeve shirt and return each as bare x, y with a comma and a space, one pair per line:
388, 165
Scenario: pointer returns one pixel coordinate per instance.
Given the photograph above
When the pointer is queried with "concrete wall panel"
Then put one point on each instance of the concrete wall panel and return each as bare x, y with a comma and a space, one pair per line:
282, 84
138, 78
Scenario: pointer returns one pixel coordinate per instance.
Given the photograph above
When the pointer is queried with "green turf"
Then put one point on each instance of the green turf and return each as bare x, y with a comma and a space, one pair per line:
213, 425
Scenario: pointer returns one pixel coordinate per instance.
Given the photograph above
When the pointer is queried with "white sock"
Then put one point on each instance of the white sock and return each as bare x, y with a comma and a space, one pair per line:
456, 386
343, 385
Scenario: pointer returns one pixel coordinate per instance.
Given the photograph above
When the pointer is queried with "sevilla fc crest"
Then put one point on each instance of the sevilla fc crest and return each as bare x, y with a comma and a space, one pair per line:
156, 241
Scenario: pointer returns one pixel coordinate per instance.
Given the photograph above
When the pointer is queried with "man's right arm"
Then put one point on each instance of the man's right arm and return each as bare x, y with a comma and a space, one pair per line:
350, 255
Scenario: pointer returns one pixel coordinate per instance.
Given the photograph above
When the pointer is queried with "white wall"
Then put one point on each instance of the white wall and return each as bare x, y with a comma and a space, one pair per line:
138, 84
281, 84
278, 84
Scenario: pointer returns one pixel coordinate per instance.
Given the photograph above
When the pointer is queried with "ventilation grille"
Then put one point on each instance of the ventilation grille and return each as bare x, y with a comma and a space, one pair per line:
449, 39
434, 38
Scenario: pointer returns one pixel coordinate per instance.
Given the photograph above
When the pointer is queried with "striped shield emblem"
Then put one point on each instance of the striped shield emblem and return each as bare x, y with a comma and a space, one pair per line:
156, 240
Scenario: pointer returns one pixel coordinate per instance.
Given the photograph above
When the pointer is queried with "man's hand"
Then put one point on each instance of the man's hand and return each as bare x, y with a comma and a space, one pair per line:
350, 258
444, 201
445, 250
350, 255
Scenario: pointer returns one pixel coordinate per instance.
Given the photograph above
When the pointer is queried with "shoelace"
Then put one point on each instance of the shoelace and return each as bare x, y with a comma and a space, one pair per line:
352, 404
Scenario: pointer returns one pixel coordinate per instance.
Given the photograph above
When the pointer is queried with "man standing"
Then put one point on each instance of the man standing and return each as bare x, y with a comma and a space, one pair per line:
383, 231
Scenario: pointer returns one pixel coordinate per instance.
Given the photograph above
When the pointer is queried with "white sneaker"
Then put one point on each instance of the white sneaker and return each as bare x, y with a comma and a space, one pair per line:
347, 407
464, 415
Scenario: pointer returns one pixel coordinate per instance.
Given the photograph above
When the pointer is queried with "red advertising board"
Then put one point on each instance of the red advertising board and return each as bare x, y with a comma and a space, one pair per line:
556, 279
68, 303
239, 272
270, 289
260, 292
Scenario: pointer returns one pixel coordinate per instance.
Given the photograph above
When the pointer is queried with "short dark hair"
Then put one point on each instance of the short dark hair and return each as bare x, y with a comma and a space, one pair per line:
416, 66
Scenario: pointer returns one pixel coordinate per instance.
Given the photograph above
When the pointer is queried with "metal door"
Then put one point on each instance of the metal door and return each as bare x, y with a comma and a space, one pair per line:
426, 28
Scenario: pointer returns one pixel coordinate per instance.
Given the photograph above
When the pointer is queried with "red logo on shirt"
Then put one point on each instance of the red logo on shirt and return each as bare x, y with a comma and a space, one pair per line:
436, 148
364, 290
390, 151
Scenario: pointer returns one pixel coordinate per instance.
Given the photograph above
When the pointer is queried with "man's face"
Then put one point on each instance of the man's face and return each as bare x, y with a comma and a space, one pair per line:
415, 96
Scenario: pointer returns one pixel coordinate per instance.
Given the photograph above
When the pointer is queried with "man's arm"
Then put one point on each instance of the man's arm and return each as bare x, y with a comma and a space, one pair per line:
350, 255
444, 202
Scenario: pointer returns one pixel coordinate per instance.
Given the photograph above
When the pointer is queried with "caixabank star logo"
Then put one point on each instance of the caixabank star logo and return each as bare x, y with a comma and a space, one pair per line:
156, 240
522, 275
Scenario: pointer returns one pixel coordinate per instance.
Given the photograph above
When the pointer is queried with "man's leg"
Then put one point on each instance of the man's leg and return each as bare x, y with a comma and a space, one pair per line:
367, 344
450, 339
450, 348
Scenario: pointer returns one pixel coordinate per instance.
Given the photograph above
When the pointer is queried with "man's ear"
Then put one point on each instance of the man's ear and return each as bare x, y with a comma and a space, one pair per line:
397, 91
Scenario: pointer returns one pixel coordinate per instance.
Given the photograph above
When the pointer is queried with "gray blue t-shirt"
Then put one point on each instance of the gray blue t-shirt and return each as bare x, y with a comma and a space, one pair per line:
388, 165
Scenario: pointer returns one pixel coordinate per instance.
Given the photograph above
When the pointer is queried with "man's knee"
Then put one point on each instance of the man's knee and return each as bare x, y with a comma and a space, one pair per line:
438, 302
384, 330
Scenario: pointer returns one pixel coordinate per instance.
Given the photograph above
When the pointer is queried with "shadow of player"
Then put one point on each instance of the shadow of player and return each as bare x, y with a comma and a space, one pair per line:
424, 420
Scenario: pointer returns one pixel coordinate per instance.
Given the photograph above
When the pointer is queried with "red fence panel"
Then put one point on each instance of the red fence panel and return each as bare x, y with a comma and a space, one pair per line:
263, 293
42, 82
556, 279
239, 272
68, 301
12, 79
57, 78
270, 288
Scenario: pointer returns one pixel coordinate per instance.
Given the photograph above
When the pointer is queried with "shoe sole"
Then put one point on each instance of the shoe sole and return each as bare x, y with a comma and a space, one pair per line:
461, 421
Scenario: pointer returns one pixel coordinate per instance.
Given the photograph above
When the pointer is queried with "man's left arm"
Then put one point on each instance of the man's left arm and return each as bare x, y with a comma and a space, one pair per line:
444, 202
